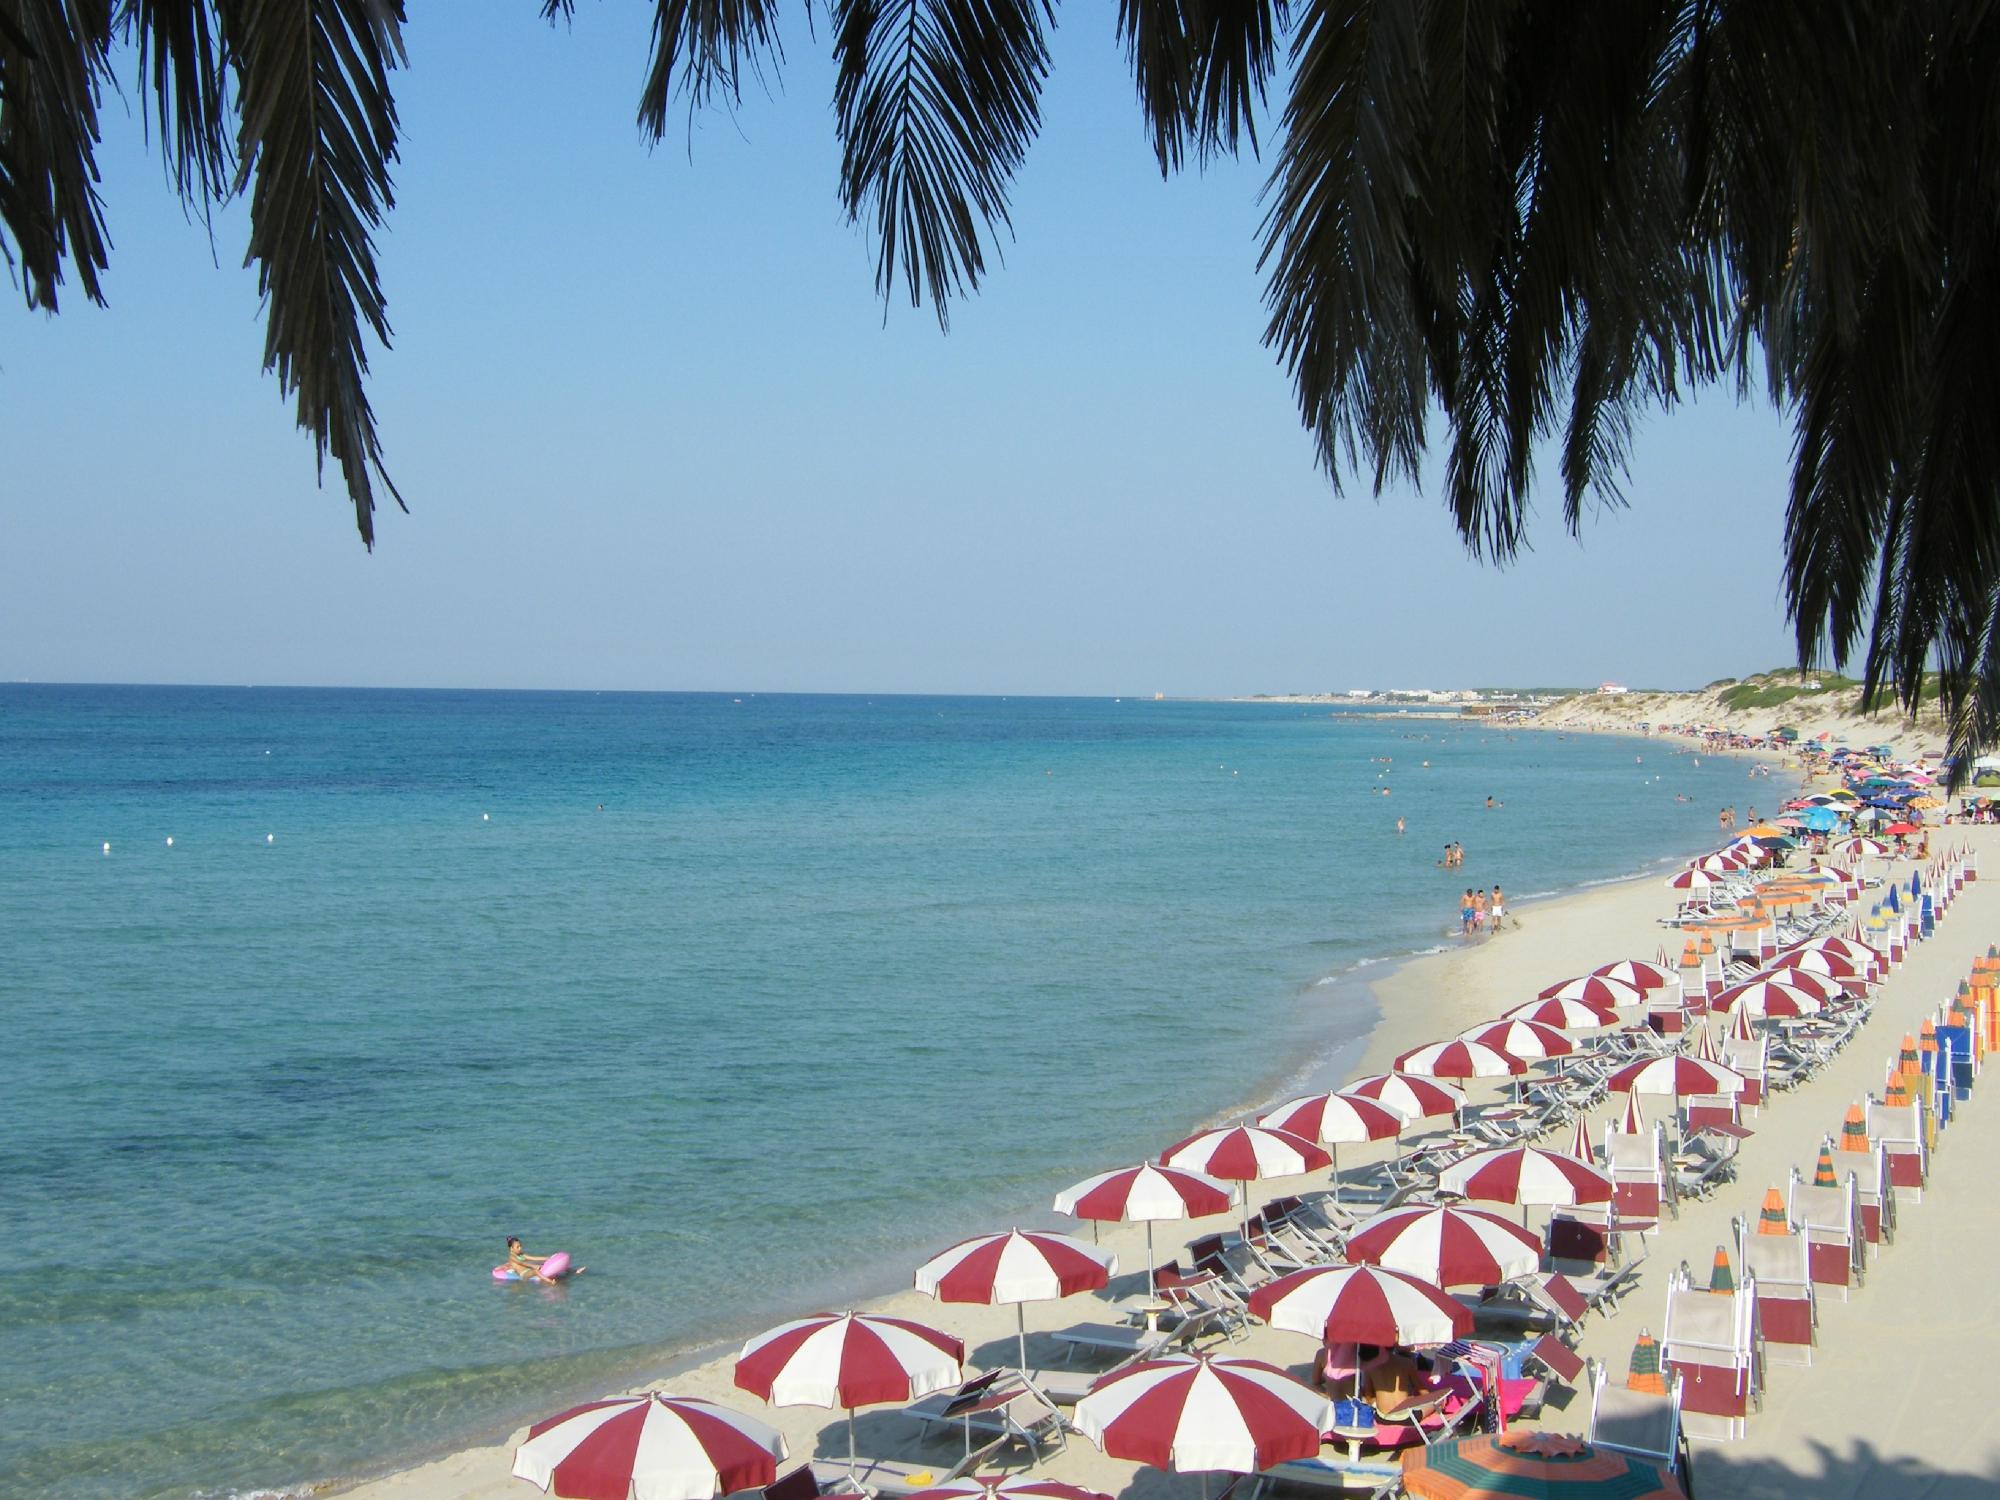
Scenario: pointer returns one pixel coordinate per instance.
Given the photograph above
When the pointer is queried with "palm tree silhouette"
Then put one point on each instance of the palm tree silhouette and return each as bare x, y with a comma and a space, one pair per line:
1524, 221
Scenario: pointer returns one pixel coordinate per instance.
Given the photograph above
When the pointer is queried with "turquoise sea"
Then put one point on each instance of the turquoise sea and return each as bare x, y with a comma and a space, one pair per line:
749, 1002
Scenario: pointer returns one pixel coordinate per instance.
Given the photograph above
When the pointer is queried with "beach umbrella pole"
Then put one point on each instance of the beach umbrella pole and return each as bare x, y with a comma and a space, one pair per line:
1021, 1332
1152, 1291
853, 1464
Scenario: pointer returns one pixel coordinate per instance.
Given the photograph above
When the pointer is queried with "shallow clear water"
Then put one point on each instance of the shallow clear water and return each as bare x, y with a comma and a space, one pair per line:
822, 983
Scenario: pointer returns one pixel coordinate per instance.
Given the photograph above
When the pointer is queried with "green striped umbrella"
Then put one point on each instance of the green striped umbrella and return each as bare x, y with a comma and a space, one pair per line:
1532, 1466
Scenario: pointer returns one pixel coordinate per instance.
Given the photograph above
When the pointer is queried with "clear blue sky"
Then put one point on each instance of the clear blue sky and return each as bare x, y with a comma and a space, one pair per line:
656, 433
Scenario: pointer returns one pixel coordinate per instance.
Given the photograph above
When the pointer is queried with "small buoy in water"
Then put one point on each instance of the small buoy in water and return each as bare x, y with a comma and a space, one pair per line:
270, 838
486, 817
170, 841
107, 848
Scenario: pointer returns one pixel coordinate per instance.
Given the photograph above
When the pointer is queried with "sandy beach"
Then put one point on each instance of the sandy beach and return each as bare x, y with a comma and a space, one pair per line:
1839, 1425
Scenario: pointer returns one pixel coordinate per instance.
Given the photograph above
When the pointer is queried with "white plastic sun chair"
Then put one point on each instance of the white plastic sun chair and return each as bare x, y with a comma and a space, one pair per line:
894, 1477
1752, 1059
1124, 1341
1874, 1193
1004, 1403
1900, 1128
1787, 1306
1830, 1219
1710, 1340
1637, 1422
1640, 1177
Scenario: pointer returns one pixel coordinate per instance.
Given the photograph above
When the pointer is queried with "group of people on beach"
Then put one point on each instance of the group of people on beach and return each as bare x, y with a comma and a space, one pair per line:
1477, 911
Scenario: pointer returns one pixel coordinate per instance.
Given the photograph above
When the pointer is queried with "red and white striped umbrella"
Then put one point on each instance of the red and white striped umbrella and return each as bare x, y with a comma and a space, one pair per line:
1739, 1030
1361, 1305
1580, 1144
1853, 951
1817, 983
1676, 1074
1640, 974
1411, 1097
649, 1448
1564, 1015
1147, 1194
1191, 1412
1763, 997
1718, 864
1246, 1153
1704, 1046
1460, 1059
849, 1360
1634, 1122
1529, 1040
1862, 848
1016, 1267
1595, 989
1007, 1487
1448, 1246
1334, 1120
1821, 962
1524, 1175
1695, 878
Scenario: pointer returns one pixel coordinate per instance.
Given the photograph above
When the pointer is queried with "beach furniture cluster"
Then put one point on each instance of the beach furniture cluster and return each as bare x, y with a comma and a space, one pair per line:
1417, 1324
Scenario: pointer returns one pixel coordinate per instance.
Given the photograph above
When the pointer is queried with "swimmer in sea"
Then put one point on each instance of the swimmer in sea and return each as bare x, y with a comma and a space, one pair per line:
527, 1267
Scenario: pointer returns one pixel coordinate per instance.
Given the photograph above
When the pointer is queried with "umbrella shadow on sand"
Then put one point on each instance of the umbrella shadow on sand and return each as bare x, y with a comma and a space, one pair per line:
1839, 1469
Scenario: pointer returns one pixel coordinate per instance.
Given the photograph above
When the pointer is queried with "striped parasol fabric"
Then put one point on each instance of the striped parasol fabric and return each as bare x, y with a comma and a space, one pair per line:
1633, 1121
1641, 974
1460, 1059
848, 1359
1147, 1195
1695, 878
1246, 1153
1408, 1095
1564, 1015
1335, 1119
1594, 989
1361, 1305
1676, 1074
1533, 1465
1448, 1246
1529, 1040
1820, 985
1704, 1049
1016, 1267
1194, 1413
1766, 996
1523, 1175
1580, 1144
649, 1447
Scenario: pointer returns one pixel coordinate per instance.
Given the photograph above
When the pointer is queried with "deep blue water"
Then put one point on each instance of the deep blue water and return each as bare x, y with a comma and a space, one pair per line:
750, 1003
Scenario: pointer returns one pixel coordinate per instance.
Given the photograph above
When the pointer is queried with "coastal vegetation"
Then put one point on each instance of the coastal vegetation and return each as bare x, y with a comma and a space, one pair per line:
1533, 223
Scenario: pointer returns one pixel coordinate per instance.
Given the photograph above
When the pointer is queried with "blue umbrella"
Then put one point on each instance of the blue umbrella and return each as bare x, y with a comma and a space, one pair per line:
1916, 885
1820, 819
1891, 902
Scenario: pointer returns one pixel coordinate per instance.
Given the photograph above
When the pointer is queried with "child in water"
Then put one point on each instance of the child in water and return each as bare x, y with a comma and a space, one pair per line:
527, 1267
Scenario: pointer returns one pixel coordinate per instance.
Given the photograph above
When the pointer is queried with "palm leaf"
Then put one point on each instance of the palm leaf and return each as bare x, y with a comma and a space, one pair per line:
318, 132
1202, 68
936, 101
702, 46
52, 64
180, 65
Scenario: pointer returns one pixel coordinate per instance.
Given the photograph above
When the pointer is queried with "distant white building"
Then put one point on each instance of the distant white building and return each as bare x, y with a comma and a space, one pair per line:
1611, 689
1360, 692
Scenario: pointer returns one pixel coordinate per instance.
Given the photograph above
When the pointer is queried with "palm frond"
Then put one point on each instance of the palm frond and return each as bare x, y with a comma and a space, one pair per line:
318, 131
180, 66
936, 102
701, 47
1202, 68
52, 65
